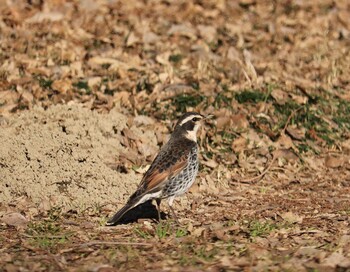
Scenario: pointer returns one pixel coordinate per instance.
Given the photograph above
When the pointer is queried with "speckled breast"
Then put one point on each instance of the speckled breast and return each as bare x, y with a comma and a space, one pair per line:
183, 181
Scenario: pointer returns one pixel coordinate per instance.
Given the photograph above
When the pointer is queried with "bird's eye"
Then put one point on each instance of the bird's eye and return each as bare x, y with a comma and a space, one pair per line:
196, 119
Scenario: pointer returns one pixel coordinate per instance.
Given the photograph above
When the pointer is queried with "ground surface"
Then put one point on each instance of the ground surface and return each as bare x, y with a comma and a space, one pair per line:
89, 91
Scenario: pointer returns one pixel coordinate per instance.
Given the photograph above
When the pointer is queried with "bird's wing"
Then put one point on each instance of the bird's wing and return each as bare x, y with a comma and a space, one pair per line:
156, 178
165, 166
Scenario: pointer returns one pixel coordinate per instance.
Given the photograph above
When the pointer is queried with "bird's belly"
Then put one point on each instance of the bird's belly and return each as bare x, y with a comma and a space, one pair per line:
179, 184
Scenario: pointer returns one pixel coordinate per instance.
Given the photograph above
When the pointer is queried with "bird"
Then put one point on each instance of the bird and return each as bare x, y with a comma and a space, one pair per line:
173, 171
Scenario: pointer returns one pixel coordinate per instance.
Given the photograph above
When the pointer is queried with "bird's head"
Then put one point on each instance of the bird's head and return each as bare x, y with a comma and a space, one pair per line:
188, 125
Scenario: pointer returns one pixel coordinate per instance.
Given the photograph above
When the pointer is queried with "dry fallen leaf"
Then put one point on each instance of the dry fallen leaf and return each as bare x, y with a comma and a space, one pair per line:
142, 120
45, 16
333, 161
210, 163
198, 232
286, 154
239, 144
239, 122
62, 86
291, 217
296, 133
14, 219
132, 39
207, 32
222, 122
284, 142
94, 81
150, 37
182, 29
337, 260
280, 96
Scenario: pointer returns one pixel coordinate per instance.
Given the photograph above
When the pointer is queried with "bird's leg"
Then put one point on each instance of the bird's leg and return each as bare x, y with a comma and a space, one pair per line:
174, 215
158, 200
170, 204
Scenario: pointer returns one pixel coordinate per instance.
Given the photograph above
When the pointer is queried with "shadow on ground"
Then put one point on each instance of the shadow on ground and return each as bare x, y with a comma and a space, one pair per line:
146, 210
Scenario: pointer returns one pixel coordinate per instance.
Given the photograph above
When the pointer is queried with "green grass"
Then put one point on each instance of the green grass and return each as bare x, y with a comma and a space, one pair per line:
192, 254
183, 101
344, 212
82, 85
315, 116
55, 213
261, 228
47, 242
178, 104
144, 84
45, 234
43, 227
142, 233
264, 189
304, 148
181, 233
167, 228
222, 99
342, 115
251, 96
110, 91
224, 144
105, 66
206, 254
176, 58
102, 221
163, 229
44, 82
308, 116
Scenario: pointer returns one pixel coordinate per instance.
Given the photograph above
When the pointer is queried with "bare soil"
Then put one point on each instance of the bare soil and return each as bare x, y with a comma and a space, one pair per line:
59, 156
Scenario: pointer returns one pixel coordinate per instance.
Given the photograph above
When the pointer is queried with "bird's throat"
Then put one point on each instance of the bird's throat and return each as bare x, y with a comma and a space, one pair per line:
191, 135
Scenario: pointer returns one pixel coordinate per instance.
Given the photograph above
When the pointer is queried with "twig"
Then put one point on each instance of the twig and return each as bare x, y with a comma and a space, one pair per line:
289, 118
262, 174
94, 243
45, 236
274, 156
106, 243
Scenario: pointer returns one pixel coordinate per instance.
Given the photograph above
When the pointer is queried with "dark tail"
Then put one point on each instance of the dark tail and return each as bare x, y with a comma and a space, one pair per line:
119, 214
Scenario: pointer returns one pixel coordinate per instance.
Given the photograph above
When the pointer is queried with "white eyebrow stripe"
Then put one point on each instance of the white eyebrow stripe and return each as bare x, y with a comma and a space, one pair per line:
189, 118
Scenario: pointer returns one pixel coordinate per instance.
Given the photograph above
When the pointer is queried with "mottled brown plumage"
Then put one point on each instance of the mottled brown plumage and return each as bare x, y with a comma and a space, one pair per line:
174, 169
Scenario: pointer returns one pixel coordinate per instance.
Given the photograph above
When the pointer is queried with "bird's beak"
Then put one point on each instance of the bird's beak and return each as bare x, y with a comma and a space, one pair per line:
210, 116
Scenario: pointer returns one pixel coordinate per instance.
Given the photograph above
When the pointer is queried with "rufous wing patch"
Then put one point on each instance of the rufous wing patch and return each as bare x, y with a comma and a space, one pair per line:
155, 178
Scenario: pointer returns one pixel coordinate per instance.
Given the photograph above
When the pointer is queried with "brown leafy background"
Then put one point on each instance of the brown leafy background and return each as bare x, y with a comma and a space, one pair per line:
273, 190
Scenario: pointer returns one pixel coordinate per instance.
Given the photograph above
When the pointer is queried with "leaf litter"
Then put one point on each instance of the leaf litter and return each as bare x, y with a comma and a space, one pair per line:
273, 190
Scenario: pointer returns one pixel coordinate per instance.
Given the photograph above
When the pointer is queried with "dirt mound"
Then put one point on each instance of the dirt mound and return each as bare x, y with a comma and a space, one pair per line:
60, 155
